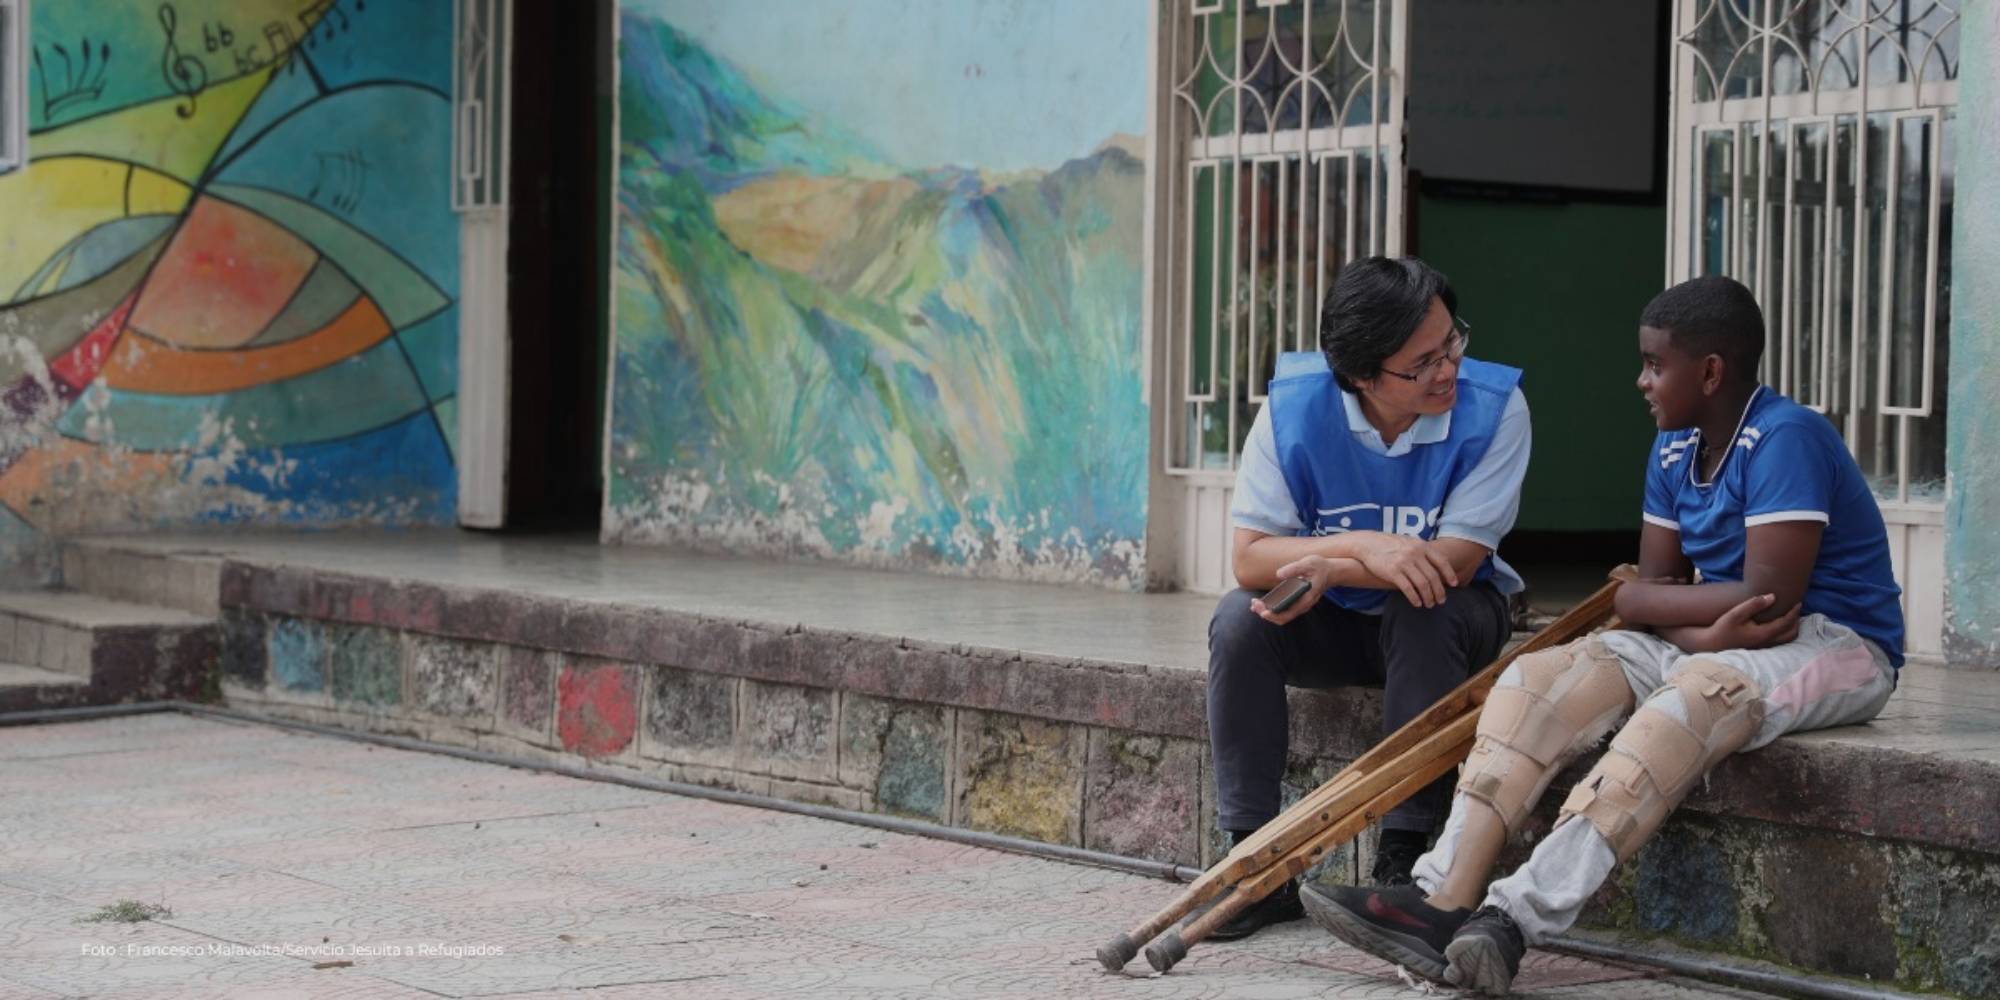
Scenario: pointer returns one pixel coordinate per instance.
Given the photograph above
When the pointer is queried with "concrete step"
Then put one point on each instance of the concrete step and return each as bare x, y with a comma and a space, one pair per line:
105, 651
125, 569
24, 688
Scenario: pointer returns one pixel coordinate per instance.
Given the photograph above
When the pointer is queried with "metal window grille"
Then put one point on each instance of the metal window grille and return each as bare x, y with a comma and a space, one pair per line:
1813, 161
13, 84
1288, 119
479, 64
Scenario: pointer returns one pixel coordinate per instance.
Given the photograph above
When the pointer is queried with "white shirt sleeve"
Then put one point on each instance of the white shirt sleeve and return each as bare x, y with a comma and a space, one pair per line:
1263, 502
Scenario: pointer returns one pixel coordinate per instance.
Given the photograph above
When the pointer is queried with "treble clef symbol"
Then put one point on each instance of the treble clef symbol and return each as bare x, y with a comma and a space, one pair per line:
186, 75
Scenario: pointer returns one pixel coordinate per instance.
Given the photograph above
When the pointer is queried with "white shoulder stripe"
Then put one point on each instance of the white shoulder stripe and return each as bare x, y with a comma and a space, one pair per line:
1661, 521
1786, 515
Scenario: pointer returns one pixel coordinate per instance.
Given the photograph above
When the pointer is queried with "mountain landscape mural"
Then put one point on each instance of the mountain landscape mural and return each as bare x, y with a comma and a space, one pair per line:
821, 353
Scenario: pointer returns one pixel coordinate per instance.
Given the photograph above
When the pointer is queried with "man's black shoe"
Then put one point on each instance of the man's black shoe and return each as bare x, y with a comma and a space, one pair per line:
1281, 906
1396, 858
1394, 925
1486, 953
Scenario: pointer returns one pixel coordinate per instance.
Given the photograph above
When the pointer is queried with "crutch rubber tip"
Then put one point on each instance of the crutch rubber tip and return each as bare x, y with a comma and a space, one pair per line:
1164, 953
1113, 956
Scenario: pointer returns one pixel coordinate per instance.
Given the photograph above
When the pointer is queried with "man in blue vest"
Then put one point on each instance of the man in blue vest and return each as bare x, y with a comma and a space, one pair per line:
1384, 470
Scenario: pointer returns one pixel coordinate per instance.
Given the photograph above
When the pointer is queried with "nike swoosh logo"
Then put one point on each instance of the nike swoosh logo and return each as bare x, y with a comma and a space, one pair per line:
1390, 913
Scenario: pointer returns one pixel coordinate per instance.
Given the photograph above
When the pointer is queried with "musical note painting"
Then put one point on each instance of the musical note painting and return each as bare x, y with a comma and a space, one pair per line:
228, 292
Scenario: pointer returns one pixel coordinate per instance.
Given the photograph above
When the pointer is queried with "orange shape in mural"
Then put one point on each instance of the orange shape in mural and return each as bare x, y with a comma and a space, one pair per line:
144, 365
225, 276
65, 486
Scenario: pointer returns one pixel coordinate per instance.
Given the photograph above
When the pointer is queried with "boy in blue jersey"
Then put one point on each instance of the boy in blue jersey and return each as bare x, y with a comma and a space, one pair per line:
1384, 470
1764, 605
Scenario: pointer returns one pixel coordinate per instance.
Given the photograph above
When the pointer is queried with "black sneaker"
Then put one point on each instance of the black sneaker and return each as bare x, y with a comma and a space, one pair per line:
1394, 925
1396, 858
1281, 906
1486, 953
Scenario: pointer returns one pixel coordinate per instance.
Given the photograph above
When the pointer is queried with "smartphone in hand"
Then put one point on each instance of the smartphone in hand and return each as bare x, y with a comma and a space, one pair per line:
1286, 594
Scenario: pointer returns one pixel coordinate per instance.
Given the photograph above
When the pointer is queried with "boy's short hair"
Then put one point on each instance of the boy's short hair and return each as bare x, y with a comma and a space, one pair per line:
1711, 315
1372, 310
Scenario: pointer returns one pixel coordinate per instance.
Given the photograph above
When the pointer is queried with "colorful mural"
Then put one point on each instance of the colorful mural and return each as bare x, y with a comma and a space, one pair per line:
228, 284
878, 284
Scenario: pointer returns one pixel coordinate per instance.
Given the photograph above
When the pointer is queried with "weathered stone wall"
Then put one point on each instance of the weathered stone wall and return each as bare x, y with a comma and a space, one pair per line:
1061, 753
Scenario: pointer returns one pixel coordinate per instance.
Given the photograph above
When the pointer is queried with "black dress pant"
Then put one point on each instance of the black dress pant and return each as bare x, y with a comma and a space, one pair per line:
1416, 655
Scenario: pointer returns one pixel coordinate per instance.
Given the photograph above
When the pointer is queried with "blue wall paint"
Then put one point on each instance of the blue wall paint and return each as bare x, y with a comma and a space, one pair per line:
1972, 504
298, 655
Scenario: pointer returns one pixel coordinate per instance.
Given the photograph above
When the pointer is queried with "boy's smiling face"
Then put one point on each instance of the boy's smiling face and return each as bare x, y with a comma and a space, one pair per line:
1671, 380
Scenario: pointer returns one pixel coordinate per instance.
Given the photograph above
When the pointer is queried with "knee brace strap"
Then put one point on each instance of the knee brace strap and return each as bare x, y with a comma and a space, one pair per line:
1701, 715
1547, 708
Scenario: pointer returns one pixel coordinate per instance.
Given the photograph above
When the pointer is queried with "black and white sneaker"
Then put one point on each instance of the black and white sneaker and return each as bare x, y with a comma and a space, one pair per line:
1394, 925
1281, 906
1485, 954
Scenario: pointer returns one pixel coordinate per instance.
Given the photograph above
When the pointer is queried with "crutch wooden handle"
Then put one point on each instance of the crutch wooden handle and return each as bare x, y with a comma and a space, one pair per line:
1425, 748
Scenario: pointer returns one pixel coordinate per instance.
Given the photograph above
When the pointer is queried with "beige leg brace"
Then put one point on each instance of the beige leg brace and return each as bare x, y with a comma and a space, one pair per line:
1546, 708
1701, 715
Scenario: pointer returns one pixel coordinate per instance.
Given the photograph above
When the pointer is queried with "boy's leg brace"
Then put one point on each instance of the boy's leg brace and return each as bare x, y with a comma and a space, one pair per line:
1546, 708
1701, 715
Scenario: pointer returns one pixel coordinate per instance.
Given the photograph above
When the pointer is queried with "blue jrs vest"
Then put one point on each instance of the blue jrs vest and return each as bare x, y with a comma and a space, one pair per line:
1340, 486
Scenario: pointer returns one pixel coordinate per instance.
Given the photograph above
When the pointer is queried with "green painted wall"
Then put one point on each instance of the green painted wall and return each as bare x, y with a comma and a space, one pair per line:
1556, 290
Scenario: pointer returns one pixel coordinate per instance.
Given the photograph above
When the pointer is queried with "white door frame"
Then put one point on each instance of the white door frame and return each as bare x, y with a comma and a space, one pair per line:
482, 64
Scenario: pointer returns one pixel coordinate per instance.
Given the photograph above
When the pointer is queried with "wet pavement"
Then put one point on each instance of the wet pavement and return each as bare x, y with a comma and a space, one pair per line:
278, 862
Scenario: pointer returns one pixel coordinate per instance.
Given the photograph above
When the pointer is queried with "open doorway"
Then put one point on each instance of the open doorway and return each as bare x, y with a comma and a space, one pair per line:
1538, 133
562, 68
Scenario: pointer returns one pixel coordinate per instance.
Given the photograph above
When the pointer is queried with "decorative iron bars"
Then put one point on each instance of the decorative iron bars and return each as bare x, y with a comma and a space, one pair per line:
1288, 118
479, 63
1814, 161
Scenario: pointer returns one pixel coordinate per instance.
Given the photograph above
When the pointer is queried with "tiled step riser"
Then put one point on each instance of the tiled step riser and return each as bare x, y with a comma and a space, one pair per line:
188, 583
36, 642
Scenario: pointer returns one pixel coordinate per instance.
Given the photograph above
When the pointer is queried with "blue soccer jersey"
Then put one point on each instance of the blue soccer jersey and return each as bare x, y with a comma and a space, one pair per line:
1786, 464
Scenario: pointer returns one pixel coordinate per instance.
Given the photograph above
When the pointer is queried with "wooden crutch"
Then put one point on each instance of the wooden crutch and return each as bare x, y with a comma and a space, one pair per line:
1426, 747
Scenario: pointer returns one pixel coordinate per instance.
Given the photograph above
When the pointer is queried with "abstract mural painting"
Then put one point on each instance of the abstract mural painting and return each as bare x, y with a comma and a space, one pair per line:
228, 287
878, 284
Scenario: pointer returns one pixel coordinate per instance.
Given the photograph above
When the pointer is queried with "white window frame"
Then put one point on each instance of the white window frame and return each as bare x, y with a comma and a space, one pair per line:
1767, 250
14, 24
1197, 397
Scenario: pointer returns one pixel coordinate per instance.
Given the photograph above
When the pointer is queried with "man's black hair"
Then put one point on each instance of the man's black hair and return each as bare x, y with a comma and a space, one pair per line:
1374, 307
1711, 315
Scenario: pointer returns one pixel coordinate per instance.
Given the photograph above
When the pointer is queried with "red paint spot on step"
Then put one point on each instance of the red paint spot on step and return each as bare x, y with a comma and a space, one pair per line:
599, 712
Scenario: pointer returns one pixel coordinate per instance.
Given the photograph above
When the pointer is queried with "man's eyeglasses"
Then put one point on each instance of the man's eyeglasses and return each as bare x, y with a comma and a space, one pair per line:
1454, 349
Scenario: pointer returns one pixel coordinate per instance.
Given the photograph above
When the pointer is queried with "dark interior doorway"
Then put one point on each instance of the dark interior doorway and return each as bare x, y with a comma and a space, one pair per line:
558, 246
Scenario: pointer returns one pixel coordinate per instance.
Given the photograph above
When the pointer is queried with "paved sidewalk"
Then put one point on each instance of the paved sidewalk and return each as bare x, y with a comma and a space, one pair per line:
301, 865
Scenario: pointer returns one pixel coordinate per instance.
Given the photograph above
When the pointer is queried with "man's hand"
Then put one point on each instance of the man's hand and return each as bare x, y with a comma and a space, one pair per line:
1411, 565
1738, 628
1318, 569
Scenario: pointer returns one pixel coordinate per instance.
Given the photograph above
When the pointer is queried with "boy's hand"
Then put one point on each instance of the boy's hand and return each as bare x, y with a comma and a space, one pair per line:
1738, 628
